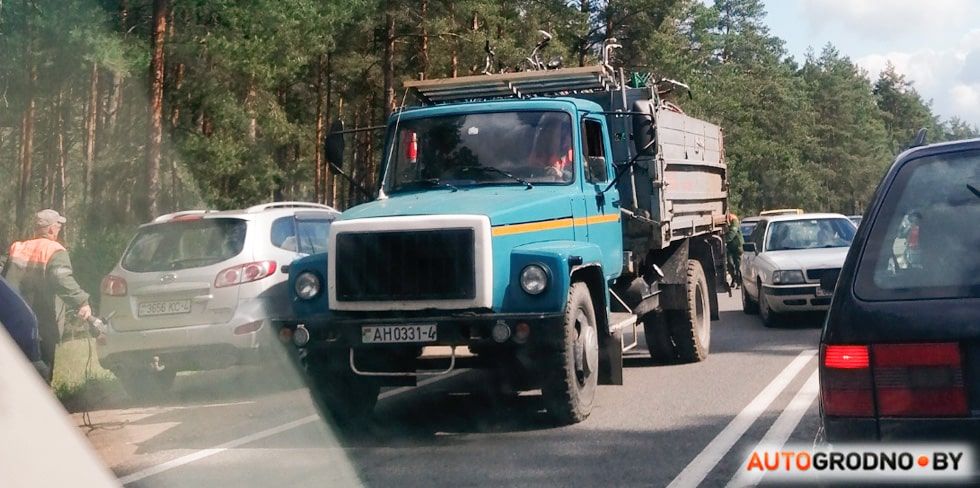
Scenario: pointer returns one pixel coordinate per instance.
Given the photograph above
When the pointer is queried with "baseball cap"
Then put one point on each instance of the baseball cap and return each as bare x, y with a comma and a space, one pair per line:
48, 217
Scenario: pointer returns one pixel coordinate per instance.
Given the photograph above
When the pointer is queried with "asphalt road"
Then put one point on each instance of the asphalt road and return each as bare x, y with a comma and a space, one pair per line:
668, 425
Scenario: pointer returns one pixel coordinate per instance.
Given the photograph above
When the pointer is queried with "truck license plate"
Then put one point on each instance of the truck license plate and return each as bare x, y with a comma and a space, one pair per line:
387, 334
149, 309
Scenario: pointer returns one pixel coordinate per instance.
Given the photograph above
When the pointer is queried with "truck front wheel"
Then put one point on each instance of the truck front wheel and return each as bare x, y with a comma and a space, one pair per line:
691, 328
571, 370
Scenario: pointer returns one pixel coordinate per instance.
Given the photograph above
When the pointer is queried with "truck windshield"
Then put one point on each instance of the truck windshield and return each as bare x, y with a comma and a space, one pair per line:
483, 148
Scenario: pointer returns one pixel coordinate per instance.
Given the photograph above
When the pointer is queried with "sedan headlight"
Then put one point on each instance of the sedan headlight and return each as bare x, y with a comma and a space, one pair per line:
793, 277
534, 279
307, 285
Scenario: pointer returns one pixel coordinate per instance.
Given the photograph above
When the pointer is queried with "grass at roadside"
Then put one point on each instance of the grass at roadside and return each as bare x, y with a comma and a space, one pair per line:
79, 380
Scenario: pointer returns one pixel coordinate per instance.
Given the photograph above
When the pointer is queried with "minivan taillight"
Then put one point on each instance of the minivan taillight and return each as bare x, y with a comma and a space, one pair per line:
244, 273
919, 380
113, 286
845, 383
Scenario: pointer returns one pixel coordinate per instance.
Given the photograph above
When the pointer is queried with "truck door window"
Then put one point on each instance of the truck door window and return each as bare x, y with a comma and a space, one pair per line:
594, 152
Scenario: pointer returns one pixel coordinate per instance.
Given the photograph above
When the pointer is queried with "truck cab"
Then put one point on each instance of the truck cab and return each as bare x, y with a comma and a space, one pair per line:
498, 233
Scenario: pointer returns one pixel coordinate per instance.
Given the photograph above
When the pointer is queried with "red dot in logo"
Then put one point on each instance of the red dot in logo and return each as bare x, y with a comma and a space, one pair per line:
923, 461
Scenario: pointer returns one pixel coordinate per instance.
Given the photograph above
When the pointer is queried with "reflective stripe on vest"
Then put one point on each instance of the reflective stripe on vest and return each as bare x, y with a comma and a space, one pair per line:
34, 252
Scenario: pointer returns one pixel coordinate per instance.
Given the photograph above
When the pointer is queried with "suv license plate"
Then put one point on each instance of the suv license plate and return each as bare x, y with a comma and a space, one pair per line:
390, 334
149, 309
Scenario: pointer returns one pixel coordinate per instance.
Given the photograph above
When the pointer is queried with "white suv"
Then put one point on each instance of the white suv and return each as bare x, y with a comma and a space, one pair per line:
198, 290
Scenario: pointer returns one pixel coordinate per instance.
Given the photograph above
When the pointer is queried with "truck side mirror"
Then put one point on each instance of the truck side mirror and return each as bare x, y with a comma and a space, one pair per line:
333, 145
748, 247
644, 128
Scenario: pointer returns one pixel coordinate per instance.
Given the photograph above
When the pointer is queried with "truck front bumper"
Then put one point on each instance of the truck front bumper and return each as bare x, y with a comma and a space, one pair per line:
458, 329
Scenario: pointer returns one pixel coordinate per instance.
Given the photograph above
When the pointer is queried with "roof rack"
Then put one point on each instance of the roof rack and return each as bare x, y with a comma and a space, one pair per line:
513, 85
272, 205
177, 215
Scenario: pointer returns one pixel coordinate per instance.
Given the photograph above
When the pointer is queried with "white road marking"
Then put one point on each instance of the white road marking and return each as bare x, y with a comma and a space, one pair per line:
781, 429
204, 453
695, 472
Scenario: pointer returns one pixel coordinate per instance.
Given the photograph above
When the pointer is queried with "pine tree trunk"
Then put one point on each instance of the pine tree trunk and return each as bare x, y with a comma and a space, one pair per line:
253, 122
583, 47
50, 154
454, 53
388, 67
161, 11
61, 176
27, 129
328, 190
91, 119
318, 166
280, 154
424, 40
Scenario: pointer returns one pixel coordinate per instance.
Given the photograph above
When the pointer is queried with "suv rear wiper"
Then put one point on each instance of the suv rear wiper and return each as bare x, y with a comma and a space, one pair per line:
491, 169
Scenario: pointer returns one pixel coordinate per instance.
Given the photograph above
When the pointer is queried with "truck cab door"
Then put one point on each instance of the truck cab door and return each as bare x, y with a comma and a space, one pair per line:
602, 209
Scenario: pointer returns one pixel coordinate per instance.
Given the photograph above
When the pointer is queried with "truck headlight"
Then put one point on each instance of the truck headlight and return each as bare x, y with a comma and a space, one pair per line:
534, 279
307, 285
793, 277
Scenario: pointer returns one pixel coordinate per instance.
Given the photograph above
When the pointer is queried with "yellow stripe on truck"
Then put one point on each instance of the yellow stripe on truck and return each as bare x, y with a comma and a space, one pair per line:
511, 229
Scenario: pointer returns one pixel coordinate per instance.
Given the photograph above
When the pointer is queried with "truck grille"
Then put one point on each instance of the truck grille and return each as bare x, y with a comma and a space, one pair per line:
406, 265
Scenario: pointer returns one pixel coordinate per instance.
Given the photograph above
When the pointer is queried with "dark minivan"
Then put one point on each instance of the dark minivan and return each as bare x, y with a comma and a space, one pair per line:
900, 350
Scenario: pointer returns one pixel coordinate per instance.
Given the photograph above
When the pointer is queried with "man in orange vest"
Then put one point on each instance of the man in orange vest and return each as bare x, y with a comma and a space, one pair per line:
40, 270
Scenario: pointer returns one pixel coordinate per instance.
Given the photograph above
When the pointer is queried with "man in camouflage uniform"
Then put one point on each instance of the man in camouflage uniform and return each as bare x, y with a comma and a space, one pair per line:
40, 270
733, 243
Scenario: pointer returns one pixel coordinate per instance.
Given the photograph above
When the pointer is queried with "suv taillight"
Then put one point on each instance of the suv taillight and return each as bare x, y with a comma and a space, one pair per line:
919, 380
113, 286
893, 380
845, 385
244, 273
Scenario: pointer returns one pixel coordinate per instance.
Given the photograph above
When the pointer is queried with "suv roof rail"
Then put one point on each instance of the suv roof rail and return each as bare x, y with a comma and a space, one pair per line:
176, 215
272, 205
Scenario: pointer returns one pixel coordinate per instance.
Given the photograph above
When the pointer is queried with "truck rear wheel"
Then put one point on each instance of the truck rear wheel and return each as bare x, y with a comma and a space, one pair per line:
340, 394
572, 370
691, 328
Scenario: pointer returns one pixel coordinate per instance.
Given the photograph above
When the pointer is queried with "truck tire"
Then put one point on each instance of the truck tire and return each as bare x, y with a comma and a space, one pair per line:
749, 306
572, 368
691, 328
659, 343
341, 395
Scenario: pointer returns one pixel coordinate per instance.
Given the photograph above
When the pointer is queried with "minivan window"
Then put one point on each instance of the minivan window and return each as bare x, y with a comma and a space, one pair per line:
925, 239
186, 244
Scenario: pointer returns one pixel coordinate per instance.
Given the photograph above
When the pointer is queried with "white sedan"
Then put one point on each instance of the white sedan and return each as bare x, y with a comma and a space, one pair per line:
785, 258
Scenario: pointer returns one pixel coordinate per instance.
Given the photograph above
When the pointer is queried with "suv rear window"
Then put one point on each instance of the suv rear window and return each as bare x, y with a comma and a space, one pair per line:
924, 242
182, 245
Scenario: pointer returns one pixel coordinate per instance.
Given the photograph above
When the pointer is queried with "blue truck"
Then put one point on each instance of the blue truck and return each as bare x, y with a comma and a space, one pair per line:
530, 223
